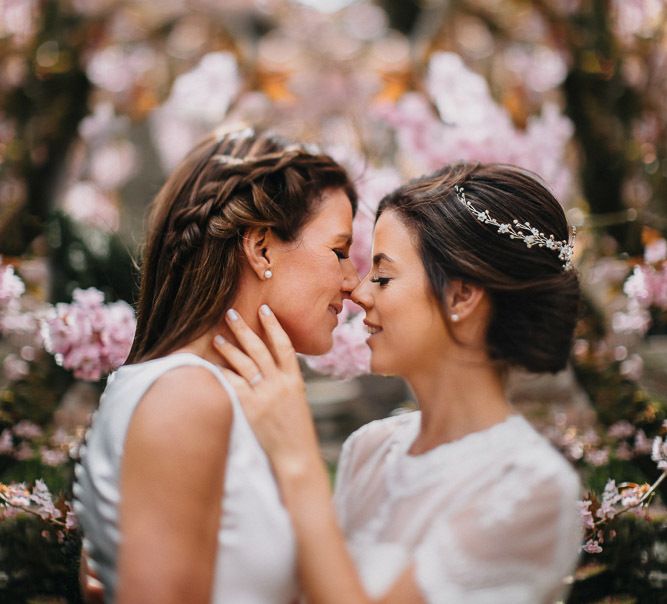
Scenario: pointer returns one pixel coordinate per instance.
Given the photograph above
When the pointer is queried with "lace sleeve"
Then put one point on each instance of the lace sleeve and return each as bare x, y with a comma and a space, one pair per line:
513, 544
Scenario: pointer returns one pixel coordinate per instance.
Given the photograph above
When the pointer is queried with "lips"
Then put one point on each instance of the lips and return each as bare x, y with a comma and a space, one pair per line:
371, 328
336, 309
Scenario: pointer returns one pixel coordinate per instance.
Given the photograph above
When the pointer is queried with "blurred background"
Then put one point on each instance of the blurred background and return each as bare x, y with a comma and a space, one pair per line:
99, 99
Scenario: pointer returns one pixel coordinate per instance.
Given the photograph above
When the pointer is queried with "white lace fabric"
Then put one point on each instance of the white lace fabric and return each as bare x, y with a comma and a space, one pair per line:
488, 519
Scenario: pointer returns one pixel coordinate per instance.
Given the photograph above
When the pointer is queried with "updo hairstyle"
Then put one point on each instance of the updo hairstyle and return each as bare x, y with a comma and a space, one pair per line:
534, 299
193, 254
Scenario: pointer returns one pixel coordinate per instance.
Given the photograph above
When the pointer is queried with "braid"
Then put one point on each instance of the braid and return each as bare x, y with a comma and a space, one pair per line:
193, 255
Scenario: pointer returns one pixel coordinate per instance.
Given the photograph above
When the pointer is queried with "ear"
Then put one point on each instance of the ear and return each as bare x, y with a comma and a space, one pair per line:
257, 247
464, 299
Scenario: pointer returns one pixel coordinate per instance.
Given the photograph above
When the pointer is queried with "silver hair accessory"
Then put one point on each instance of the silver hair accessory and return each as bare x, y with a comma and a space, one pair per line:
233, 132
524, 231
228, 160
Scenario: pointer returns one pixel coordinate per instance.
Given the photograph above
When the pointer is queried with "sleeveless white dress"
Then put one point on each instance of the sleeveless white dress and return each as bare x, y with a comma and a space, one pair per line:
488, 519
256, 558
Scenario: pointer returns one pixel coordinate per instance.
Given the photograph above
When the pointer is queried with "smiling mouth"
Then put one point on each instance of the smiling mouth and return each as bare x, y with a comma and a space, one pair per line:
372, 329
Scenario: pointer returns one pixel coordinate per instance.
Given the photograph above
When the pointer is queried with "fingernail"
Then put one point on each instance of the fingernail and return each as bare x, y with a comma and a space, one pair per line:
232, 314
219, 340
265, 310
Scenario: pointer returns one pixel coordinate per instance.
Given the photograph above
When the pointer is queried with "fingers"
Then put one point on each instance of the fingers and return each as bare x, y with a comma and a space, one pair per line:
238, 360
251, 343
281, 345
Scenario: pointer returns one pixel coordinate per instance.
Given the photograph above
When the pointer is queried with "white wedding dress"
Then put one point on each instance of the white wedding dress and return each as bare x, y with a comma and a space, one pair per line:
488, 519
256, 559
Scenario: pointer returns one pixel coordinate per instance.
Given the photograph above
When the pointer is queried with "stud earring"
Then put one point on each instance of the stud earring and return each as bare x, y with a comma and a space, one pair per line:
455, 317
268, 273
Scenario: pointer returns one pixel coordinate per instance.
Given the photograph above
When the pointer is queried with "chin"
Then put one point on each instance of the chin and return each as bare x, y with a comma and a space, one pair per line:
381, 368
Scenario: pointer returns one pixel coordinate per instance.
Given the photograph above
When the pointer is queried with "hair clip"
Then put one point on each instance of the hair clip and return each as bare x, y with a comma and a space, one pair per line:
524, 231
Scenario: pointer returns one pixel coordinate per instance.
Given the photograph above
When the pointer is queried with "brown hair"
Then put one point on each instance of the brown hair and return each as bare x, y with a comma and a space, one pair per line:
193, 255
534, 300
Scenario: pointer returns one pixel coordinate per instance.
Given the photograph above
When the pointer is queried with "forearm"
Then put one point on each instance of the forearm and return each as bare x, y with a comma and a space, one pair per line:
326, 571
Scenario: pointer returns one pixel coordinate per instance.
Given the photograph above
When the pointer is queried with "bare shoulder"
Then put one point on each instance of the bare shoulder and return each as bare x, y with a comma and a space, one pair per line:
187, 402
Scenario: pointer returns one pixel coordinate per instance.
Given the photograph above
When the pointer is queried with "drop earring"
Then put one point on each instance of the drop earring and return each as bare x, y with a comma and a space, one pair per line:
268, 273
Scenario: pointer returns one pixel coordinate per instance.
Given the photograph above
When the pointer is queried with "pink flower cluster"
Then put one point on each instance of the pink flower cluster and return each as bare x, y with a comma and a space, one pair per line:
17, 498
27, 441
11, 286
472, 127
88, 337
350, 355
198, 102
645, 288
622, 441
596, 514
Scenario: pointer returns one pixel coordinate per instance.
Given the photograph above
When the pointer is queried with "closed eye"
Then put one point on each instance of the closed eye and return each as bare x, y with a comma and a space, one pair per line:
381, 281
341, 254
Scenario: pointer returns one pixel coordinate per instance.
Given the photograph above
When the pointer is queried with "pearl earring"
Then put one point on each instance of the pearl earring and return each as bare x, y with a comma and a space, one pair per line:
268, 273
455, 317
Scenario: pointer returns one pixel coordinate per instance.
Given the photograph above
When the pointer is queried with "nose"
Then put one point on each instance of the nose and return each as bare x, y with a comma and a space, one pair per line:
361, 294
350, 277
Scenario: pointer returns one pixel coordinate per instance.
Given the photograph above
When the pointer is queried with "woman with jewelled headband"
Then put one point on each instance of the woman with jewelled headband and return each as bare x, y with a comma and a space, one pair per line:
461, 501
175, 496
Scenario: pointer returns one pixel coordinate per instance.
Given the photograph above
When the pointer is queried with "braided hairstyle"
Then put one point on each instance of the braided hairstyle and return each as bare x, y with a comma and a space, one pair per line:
193, 254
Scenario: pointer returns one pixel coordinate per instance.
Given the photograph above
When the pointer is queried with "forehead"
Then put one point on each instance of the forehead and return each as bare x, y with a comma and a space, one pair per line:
393, 238
332, 213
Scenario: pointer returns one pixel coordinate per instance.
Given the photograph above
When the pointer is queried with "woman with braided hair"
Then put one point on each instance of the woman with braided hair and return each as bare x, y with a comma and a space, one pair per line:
461, 502
175, 496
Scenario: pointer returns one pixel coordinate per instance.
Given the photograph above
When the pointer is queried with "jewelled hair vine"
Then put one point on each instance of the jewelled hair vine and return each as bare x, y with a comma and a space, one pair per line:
524, 231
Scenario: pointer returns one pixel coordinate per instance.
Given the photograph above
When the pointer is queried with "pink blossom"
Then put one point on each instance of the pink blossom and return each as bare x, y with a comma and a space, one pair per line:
597, 457
541, 68
632, 367
41, 497
659, 452
6, 442
71, 521
15, 368
621, 429
53, 457
86, 203
473, 127
11, 287
372, 186
18, 20
28, 430
113, 164
592, 546
656, 251
350, 355
199, 101
610, 497
87, 336
103, 125
119, 68
586, 514
24, 452
637, 17
643, 443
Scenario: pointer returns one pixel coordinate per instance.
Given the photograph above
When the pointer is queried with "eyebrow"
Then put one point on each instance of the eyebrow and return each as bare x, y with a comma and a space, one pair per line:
381, 256
346, 236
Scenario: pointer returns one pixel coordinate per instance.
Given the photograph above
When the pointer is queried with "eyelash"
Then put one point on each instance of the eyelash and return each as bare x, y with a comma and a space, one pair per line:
382, 281
341, 254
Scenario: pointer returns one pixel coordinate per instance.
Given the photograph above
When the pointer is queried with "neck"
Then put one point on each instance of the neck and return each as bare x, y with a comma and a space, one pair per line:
247, 306
457, 398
